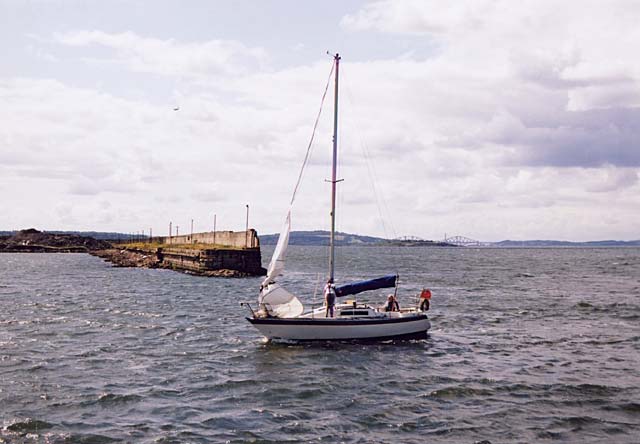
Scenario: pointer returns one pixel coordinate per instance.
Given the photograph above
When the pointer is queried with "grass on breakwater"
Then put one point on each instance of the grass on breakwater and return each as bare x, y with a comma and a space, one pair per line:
153, 246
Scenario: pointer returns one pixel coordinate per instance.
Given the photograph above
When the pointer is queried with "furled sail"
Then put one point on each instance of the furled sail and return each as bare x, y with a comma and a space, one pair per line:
276, 266
373, 284
278, 302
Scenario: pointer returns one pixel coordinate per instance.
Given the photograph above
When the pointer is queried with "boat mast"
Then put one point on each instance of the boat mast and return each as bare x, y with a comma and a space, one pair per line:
336, 58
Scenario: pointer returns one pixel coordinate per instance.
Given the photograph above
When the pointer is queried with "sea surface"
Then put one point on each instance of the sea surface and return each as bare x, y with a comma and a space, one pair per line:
526, 346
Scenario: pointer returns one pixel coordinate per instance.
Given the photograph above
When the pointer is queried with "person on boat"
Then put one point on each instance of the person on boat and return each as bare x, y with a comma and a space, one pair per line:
329, 298
425, 297
392, 304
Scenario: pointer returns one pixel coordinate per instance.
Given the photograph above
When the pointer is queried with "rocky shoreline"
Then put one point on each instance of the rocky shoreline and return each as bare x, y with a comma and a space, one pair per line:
34, 241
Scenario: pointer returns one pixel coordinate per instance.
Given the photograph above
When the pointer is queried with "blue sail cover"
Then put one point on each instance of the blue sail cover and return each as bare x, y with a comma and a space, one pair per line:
373, 284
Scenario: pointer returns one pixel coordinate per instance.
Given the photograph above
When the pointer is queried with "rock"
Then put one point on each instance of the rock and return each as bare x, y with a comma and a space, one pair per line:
127, 258
32, 240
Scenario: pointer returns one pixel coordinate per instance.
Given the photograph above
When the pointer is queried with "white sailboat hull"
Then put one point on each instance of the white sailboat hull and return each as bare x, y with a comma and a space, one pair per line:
331, 329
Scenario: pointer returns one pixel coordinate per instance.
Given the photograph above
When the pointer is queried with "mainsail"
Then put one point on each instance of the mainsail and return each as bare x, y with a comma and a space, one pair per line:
276, 266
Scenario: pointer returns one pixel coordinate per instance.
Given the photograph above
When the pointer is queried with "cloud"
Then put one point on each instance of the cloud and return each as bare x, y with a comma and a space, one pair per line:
414, 17
61, 143
612, 179
518, 121
170, 57
530, 80
208, 195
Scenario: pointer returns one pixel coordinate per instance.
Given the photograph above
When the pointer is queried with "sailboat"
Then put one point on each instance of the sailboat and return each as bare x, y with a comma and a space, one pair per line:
281, 315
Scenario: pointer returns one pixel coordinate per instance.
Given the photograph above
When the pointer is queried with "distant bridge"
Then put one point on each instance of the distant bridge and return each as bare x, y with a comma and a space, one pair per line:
462, 241
459, 241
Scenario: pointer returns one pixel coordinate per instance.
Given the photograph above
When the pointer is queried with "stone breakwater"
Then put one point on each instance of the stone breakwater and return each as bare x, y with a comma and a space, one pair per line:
200, 262
202, 259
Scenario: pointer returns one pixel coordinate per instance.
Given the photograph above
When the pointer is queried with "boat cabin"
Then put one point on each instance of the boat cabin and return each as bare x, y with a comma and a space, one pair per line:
353, 310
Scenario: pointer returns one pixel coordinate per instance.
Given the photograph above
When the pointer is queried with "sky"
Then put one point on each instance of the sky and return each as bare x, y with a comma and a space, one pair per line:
486, 119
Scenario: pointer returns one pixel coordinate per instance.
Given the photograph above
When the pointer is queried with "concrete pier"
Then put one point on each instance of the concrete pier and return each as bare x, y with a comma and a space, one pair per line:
236, 239
220, 253
203, 261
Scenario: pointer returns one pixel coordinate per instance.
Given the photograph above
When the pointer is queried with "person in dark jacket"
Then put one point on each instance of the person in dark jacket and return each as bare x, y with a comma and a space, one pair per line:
329, 298
392, 304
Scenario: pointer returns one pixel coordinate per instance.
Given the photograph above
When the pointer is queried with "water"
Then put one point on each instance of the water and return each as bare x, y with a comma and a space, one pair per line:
530, 345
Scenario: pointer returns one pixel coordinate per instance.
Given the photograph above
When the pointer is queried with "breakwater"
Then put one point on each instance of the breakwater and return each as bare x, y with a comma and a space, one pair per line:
212, 262
194, 254
221, 253
234, 239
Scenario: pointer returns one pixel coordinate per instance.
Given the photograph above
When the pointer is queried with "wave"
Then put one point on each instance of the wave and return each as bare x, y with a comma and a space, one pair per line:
88, 439
574, 421
628, 407
578, 391
459, 392
112, 398
604, 307
28, 425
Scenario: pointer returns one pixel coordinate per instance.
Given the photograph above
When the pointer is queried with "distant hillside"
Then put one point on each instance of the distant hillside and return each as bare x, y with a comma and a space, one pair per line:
94, 234
320, 237
555, 243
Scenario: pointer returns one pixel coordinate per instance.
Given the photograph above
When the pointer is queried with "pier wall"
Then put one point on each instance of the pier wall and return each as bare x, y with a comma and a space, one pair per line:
202, 261
237, 239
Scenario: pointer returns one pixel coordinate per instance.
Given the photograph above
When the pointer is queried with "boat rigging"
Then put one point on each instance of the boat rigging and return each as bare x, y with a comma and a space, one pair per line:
281, 315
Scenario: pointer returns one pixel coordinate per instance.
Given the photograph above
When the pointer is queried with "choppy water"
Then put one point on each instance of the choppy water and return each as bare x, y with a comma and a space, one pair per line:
530, 345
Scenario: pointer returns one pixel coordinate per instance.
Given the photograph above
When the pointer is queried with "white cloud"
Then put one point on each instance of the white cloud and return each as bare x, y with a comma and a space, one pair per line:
170, 57
529, 78
520, 122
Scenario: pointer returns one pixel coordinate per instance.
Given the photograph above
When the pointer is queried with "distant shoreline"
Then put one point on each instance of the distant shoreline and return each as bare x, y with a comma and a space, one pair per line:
321, 238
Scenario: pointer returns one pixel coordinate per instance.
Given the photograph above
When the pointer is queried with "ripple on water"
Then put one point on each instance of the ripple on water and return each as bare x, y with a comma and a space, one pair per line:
108, 399
517, 353
28, 425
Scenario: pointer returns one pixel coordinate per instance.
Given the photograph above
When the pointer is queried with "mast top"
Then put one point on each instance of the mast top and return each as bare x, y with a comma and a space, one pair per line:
336, 56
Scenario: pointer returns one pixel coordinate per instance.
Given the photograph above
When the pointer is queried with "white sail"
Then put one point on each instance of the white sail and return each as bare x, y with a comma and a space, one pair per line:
278, 302
276, 266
